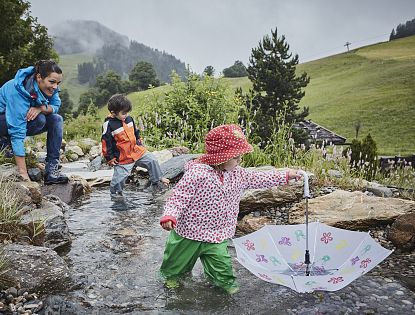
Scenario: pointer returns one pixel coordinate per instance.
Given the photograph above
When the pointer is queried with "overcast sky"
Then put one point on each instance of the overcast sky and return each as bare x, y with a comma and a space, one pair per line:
218, 32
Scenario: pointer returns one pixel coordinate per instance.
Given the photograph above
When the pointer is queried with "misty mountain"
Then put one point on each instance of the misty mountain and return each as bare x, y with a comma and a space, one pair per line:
111, 50
80, 36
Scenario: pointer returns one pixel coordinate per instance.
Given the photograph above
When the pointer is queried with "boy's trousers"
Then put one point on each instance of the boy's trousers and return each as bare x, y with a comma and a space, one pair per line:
181, 254
122, 171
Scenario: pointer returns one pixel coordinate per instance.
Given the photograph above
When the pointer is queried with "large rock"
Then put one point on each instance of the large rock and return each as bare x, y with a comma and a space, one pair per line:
69, 192
28, 192
379, 190
250, 224
254, 199
174, 167
352, 210
83, 169
56, 231
161, 156
36, 269
402, 232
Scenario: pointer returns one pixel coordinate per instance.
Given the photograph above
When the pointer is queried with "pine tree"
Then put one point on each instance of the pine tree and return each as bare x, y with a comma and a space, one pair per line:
392, 35
209, 70
276, 88
143, 75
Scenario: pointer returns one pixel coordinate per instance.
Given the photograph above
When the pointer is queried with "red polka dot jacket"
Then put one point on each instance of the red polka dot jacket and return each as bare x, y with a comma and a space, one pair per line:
204, 204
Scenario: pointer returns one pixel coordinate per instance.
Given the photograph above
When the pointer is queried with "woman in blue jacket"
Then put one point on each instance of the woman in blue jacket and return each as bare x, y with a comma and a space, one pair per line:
29, 105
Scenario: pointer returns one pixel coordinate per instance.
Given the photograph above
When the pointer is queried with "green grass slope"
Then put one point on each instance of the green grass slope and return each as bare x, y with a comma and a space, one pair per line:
69, 65
373, 85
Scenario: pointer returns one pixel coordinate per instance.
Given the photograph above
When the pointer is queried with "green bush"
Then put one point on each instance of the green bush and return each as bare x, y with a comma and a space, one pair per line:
84, 126
187, 112
363, 156
203, 103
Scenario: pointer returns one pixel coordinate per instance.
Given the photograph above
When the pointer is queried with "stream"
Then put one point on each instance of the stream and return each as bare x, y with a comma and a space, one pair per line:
117, 249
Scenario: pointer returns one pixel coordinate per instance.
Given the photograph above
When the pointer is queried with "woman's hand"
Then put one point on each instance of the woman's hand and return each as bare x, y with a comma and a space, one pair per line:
33, 113
168, 226
21, 168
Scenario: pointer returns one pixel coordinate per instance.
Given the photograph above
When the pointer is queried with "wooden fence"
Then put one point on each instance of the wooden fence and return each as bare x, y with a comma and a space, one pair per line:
387, 162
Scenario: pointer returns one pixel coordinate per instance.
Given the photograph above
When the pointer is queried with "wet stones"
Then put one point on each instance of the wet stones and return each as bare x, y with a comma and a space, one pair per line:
13, 301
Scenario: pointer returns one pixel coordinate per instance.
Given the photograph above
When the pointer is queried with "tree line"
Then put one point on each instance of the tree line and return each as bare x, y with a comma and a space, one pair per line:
122, 60
141, 77
403, 30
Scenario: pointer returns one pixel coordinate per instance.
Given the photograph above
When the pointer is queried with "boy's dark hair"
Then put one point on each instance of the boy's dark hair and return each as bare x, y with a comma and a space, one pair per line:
46, 67
119, 103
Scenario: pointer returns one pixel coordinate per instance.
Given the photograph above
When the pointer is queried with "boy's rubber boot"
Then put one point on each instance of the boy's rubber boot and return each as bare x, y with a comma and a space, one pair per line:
118, 196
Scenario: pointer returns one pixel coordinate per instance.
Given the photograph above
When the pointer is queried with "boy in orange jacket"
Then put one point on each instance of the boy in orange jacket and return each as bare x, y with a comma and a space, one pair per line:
123, 149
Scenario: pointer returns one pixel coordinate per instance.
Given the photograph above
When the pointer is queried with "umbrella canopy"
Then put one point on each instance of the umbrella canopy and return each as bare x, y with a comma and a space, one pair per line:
275, 253
309, 257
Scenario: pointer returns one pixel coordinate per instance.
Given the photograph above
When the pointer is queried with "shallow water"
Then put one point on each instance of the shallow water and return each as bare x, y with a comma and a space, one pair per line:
117, 249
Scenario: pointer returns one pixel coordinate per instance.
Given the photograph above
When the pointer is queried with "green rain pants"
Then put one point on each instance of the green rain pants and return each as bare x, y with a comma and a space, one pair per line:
181, 254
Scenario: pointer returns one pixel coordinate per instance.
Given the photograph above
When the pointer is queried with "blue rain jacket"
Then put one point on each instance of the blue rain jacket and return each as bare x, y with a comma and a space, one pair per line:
16, 97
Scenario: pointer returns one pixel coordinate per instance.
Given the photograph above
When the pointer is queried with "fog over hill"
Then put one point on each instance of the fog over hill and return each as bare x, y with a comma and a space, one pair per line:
113, 51
80, 36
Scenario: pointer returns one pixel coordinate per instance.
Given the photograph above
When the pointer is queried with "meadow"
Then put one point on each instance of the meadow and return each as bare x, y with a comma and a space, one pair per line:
69, 65
371, 87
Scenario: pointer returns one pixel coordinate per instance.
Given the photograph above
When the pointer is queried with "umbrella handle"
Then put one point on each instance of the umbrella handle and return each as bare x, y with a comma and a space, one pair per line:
306, 186
306, 196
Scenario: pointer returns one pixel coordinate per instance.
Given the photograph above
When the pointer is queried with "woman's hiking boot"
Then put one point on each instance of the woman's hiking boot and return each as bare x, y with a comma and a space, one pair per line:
54, 176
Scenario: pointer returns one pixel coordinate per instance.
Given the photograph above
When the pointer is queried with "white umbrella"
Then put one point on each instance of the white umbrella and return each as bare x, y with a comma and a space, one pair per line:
309, 257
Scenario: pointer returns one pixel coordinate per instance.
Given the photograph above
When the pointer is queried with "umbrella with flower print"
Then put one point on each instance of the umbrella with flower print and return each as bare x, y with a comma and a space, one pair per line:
309, 257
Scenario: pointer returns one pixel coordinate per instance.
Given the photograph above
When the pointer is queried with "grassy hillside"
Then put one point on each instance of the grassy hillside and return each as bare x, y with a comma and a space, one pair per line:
373, 85
69, 65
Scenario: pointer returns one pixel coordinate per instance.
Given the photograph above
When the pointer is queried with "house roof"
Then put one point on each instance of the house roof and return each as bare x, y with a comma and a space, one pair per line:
320, 133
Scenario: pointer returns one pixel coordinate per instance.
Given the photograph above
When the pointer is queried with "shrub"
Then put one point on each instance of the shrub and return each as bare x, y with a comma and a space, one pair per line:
91, 127
363, 156
188, 111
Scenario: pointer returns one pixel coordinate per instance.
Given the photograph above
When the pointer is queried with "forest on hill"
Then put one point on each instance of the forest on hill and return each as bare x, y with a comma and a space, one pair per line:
111, 50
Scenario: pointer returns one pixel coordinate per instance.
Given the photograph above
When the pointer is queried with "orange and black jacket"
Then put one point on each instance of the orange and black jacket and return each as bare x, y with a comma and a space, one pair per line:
121, 141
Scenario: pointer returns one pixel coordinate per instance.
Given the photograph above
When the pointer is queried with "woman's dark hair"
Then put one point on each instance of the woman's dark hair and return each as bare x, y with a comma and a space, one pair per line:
46, 67
119, 103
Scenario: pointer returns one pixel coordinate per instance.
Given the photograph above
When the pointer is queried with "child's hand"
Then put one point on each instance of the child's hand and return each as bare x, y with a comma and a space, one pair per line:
169, 225
113, 162
294, 174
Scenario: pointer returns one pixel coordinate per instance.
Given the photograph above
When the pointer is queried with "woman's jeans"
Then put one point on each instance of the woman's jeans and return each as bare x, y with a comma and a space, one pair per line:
53, 125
